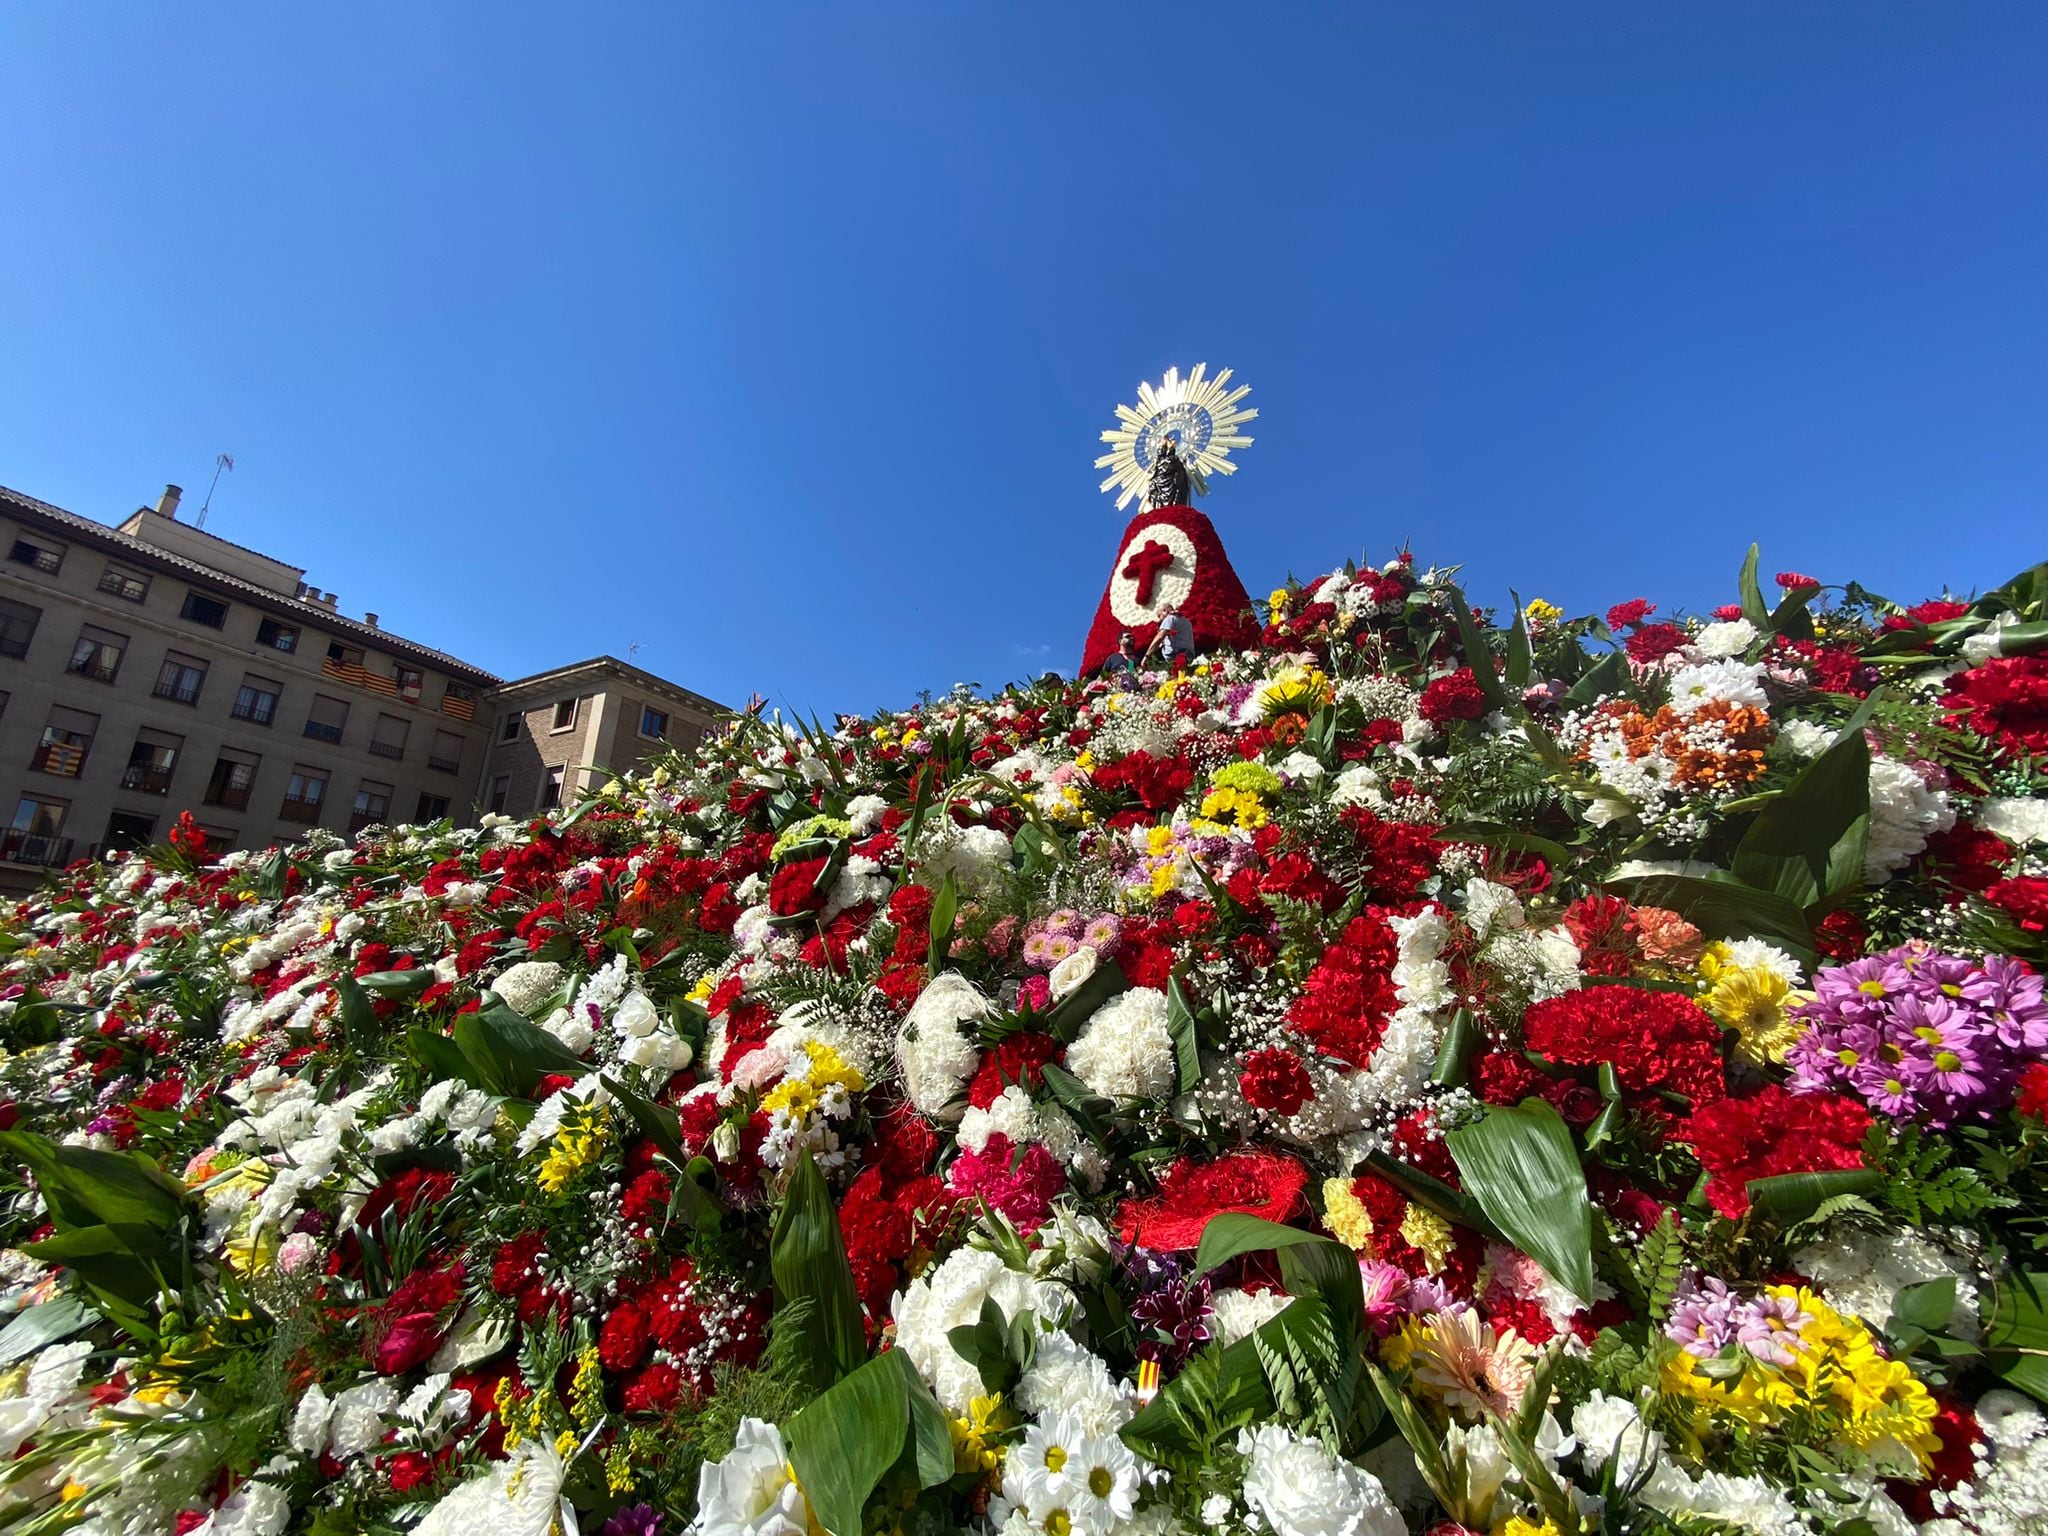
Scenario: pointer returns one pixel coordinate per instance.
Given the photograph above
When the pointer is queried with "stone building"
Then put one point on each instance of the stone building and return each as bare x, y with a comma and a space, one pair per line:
151, 668
559, 732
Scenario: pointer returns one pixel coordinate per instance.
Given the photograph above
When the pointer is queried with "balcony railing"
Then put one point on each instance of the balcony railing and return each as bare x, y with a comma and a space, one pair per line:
58, 757
229, 796
176, 690
321, 731
388, 748
151, 781
92, 667
295, 809
261, 712
34, 848
134, 588
445, 764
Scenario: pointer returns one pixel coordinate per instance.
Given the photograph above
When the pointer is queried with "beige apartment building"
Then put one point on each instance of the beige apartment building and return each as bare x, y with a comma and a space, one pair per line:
151, 668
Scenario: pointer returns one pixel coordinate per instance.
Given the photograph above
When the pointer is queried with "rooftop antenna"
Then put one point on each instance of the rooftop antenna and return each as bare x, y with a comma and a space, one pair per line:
633, 650
221, 461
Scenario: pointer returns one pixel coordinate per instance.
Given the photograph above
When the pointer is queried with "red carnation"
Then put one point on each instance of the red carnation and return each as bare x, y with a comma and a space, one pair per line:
655, 1389
1655, 1041
1936, 611
2005, 700
2025, 897
1456, 697
1258, 1183
2033, 1091
1275, 1080
1344, 1005
1018, 1058
1631, 613
1653, 642
793, 888
1792, 581
622, 1341
1773, 1132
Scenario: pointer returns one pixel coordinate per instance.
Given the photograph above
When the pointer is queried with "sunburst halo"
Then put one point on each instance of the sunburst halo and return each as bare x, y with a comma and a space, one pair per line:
1201, 413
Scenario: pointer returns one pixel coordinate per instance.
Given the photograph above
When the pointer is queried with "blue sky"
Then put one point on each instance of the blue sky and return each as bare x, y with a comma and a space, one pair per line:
777, 338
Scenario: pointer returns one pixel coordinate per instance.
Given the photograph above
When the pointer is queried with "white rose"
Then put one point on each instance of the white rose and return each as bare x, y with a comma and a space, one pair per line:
637, 1016
1068, 976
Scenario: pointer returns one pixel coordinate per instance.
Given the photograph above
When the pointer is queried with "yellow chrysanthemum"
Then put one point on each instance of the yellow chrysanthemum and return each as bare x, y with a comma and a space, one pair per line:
1519, 1525
972, 1436
1423, 1229
1243, 810
578, 1144
1540, 612
1276, 605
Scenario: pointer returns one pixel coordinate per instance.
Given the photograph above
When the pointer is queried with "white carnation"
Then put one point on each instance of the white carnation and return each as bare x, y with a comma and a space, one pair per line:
527, 985
1234, 1313
1125, 1051
1730, 637
2015, 820
936, 1046
949, 1297
1804, 738
1904, 813
1710, 682
1301, 1488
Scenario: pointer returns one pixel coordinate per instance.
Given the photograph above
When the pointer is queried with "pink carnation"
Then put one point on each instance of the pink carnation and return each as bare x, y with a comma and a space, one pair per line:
1021, 1187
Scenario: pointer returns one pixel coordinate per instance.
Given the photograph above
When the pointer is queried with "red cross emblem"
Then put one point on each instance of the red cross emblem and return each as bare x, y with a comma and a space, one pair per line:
1144, 567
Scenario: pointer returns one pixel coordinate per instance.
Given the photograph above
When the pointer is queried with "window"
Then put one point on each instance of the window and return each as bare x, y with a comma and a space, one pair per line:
344, 655
324, 721
373, 806
459, 700
653, 722
234, 774
201, 609
303, 795
151, 761
431, 808
551, 791
278, 637
219, 839
409, 681
126, 830
508, 728
66, 740
180, 678
388, 740
47, 558
124, 584
36, 837
565, 716
501, 791
445, 756
17, 627
256, 699
98, 654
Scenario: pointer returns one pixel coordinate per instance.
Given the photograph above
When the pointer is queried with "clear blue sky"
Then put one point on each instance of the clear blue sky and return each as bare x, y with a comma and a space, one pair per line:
778, 338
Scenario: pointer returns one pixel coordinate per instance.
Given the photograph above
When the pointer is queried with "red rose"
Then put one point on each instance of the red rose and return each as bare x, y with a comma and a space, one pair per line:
1275, 1080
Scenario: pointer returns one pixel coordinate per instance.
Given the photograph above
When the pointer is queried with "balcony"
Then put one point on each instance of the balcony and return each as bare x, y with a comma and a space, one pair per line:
176, 690
91, 666
58, 757
445, 764
259, 712
151, 781
458, 709
322, 732
295, 809
20, 847
388, 748
228, 796
360, 819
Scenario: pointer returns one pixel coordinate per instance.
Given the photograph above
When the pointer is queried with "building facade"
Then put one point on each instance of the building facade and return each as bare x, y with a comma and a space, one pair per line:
559, 732
151, 668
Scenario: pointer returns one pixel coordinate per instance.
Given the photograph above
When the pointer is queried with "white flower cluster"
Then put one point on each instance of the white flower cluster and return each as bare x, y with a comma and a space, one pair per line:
1299, 1487
936, 1049
950, 1296
1125, 1050
1064, 1478
1904, 813
1863, 1271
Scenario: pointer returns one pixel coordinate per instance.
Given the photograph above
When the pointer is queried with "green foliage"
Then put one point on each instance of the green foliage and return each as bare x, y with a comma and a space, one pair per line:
1000, 1349
808, 1258
1917, 1178
1806, 844
875, 1420
1520, 1167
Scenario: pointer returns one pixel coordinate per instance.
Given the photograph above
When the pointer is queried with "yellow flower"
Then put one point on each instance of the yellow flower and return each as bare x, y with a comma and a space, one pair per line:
972, 1451
1518, 1525
1344, 1215
1540, 612
579, 1143
1749, 999
706, 985
73, 1492
1422, 1228
1245, 810
1276, 605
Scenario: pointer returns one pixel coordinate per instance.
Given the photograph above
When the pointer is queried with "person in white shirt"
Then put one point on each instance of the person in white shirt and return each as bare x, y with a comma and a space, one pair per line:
1174, 640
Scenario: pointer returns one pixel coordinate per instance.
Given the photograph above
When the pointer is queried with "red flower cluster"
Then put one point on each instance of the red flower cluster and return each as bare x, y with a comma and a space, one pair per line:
1020, 1183
1158, 783
2025, 898
1456, 697
1773, 1132
1344, 1004
1657, 1042
1258, 1183
1653, 642
1631, 613
793, 888
416, 1319
1275, 1080
1017, 1058
2005, 700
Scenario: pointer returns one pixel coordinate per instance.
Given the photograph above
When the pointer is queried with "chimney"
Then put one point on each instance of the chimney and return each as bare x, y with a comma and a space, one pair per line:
310, 594
167, 504
370, 619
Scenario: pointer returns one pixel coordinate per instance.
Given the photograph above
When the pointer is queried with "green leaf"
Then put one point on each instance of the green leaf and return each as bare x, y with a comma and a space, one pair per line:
84, 1187
1753, 608
1926, 1305
1067, 1017
1454, 1056
397, 983
1519, 1166
808, 1258
508, 1053
1806, 844
1180, 1023
1230, 1234
844, 1442
1477, 654
945, 907
2016, 1332
42, 1324
1607, 676
1789, 1198
1789, 618
1521, 662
